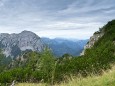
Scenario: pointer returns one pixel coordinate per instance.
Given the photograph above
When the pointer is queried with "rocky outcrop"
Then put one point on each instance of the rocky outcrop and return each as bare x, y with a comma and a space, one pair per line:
92, 41
13, 44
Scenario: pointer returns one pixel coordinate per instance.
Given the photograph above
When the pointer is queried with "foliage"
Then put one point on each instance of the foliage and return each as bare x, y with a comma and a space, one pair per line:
44, 67
107, 79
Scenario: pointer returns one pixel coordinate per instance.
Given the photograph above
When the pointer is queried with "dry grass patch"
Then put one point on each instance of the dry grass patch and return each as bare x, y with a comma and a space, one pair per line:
107, 79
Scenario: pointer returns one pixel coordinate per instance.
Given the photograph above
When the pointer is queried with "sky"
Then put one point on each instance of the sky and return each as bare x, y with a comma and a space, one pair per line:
75, 19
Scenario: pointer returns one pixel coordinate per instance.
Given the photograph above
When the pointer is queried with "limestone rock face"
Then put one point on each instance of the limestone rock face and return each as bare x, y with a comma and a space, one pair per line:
13, 44
92, 41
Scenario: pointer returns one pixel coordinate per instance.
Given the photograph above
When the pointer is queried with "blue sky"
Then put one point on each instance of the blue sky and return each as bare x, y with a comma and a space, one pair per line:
77, 19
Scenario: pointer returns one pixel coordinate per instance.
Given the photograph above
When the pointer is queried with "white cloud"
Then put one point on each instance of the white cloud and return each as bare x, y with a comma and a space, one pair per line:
2, 2
73, 19
76, 34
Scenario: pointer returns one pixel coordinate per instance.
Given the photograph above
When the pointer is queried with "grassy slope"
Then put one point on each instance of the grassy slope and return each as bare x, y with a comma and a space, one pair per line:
107, 79
101, 49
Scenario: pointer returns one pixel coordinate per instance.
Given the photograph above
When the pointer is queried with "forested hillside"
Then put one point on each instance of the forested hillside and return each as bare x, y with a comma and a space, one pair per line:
44, 67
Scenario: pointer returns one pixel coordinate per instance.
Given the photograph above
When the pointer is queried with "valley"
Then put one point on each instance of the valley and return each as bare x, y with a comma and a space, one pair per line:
37, 67
57, 42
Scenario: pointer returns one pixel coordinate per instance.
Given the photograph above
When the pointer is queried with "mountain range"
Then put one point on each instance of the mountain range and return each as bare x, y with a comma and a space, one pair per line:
14, 44
61, 46
97, 57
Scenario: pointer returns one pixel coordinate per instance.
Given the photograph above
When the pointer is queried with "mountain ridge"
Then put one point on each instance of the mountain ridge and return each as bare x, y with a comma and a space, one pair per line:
15, 43
61, 46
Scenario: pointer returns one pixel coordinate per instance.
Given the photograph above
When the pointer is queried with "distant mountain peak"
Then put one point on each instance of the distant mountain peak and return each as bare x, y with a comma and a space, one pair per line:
26, 31
16, 43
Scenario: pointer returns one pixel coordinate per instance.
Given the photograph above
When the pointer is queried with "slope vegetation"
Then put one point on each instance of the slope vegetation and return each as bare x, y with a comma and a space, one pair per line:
107, 79
36, 67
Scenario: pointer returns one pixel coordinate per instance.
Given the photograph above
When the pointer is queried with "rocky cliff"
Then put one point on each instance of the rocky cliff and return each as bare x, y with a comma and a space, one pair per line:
13, 44
92, 40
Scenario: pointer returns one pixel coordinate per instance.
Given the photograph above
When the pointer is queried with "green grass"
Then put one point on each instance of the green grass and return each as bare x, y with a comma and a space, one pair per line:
106, 79
30, 84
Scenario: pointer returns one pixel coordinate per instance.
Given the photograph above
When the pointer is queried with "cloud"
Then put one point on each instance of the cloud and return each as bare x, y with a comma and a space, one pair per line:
2, 2
56, 18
